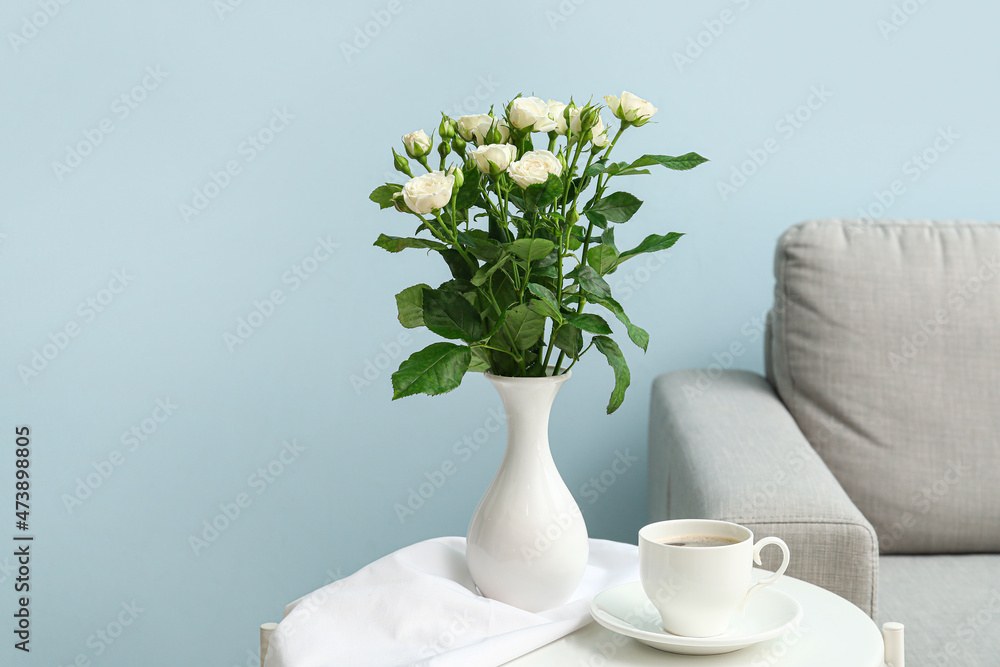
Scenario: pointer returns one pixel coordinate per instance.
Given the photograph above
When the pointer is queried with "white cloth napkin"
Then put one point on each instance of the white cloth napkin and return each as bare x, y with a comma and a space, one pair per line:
418, 606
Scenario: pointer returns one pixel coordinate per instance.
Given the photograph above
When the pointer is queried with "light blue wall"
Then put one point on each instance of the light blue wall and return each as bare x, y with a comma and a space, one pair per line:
331, 510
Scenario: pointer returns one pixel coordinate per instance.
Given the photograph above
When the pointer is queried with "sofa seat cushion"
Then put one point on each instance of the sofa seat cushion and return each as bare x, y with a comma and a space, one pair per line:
884, 343
949, 605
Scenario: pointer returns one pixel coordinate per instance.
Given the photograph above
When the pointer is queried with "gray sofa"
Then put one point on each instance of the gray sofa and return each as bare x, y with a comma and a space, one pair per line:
873, 445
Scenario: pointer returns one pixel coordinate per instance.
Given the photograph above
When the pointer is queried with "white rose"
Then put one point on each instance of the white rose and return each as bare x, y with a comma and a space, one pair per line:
500, 155
630, 108
428, 192
534, 167
598, 134
417, 143
556, 111
465, 124
531, 113
574, 122
479, 131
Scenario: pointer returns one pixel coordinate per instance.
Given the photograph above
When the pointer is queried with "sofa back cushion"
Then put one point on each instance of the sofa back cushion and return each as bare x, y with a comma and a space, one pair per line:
884, 344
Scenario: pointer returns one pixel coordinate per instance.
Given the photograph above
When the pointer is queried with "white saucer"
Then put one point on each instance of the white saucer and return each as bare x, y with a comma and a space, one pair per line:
626, 610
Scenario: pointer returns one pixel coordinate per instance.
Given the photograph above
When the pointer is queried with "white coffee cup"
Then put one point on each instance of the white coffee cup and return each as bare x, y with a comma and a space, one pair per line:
696, 589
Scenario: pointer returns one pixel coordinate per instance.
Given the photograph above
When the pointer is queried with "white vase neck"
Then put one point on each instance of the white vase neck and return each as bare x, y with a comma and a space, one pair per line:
528, 402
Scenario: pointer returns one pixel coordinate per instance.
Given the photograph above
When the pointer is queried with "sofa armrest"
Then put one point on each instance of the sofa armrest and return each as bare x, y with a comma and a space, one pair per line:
723, 446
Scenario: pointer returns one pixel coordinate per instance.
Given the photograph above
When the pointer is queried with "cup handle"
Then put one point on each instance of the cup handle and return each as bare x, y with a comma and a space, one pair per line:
766, 581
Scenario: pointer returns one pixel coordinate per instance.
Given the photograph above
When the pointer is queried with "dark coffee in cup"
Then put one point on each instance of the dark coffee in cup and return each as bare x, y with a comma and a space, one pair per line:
698, 541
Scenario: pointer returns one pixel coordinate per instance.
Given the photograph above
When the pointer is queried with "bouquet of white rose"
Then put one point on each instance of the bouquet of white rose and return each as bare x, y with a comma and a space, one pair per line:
520, 285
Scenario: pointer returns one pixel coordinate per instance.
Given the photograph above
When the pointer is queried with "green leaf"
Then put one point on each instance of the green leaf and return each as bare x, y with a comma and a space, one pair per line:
450, 315
576, 237
522, 328
616, 167
546, 302
576, 186
618, 206
497, 233
487, 270
549, 260
541, 195
456, 285
531, 249
410, 306
596, 168
652, 243
681, 163
383, 195
478, 244
624, 169
504, 292
468, 194
545, 272
569, 339
398, 243
597, 218
497, 324
459, 266
616, 359
436, 369
590, 281
588, 322
608, 238
602, 258
480, 362
637, 334
544, 309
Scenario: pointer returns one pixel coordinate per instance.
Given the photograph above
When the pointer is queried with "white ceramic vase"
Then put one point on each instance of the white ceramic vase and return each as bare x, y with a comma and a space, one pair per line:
527, 542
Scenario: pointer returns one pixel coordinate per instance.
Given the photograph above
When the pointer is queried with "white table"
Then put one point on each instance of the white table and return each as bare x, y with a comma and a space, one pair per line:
833, 633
